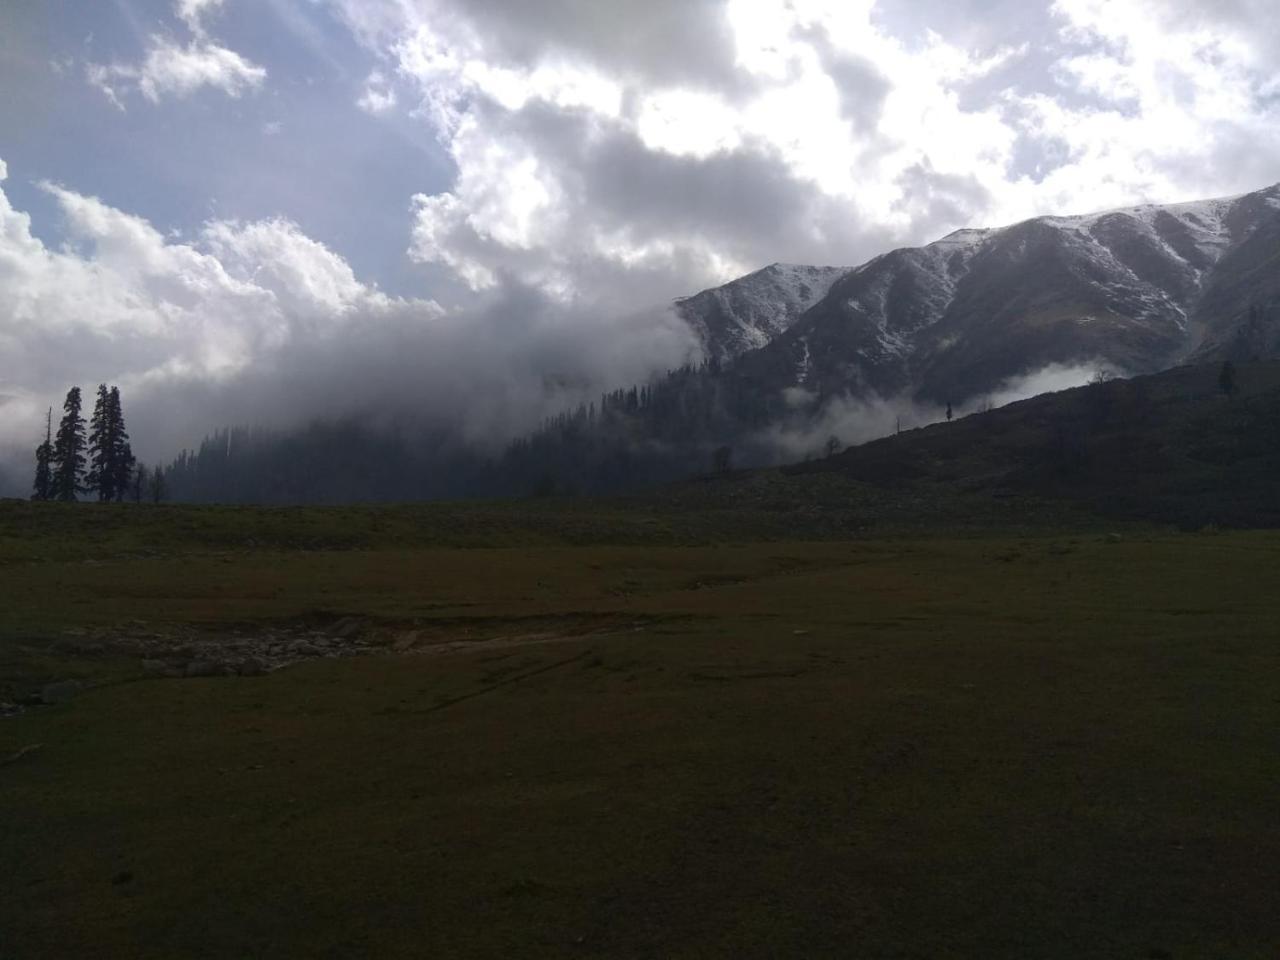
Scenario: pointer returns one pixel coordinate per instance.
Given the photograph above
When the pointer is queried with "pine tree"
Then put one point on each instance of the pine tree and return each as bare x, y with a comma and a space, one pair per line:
140, 483
122, 459
44, 455
111, 457
156, 486
68, 450
100, 476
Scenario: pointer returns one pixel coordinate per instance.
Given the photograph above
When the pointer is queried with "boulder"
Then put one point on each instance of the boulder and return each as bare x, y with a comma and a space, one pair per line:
203, 668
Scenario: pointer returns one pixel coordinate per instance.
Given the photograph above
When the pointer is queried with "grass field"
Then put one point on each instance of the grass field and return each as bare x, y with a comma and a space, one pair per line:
622, 735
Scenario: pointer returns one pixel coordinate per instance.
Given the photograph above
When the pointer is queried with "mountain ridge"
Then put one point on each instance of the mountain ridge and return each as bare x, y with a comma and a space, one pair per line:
954, 318
749, 311
799, 357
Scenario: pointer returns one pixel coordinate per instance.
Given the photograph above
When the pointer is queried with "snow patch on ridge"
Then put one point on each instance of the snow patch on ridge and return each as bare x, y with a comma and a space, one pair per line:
751, 311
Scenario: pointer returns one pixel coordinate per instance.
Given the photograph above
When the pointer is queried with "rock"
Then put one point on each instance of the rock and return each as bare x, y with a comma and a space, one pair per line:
203, 668
346, 628
251, 667
24, 752
60, 692
155, 668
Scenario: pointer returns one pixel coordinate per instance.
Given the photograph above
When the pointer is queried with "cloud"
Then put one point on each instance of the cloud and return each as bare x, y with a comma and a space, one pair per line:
862, 125
193, 12
257, 323
849, 420
379, 96
608, 156
1050, 379
173, 69
589, 180
853, 420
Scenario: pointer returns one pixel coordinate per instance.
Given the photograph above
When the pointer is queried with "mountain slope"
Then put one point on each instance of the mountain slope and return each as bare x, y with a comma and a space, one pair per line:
1167, 448
749, 312
1137, 289
796, 355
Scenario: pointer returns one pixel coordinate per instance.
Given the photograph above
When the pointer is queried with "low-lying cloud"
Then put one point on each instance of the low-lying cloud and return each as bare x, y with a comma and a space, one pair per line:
849, 421
256, 323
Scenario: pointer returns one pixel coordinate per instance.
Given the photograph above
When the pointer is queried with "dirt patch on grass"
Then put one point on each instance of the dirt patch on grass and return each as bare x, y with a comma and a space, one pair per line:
256, 649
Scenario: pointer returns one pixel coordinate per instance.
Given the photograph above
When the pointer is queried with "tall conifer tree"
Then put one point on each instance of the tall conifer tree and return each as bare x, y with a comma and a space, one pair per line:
100, 476
122, 459
44, 457
111, 457
68, 450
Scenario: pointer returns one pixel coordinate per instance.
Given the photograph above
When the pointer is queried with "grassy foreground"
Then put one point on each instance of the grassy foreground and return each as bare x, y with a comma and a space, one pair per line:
637, 745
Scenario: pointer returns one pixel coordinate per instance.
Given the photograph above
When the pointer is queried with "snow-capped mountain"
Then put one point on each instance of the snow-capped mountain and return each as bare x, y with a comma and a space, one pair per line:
1136, 289
749, 312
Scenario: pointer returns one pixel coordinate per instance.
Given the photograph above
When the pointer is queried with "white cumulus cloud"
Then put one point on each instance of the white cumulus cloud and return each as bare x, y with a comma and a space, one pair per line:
173, 69
120, 302
193, 12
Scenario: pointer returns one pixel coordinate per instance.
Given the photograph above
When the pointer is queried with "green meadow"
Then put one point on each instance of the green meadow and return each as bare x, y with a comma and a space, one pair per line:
576, 730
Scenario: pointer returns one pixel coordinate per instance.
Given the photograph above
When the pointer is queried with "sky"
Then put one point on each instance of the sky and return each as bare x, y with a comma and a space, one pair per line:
468, 212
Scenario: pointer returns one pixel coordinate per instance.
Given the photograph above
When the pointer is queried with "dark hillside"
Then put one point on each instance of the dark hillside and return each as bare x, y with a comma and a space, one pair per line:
1171, 448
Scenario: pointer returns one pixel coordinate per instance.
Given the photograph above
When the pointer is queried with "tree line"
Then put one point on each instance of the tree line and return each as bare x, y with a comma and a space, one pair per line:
94, 457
